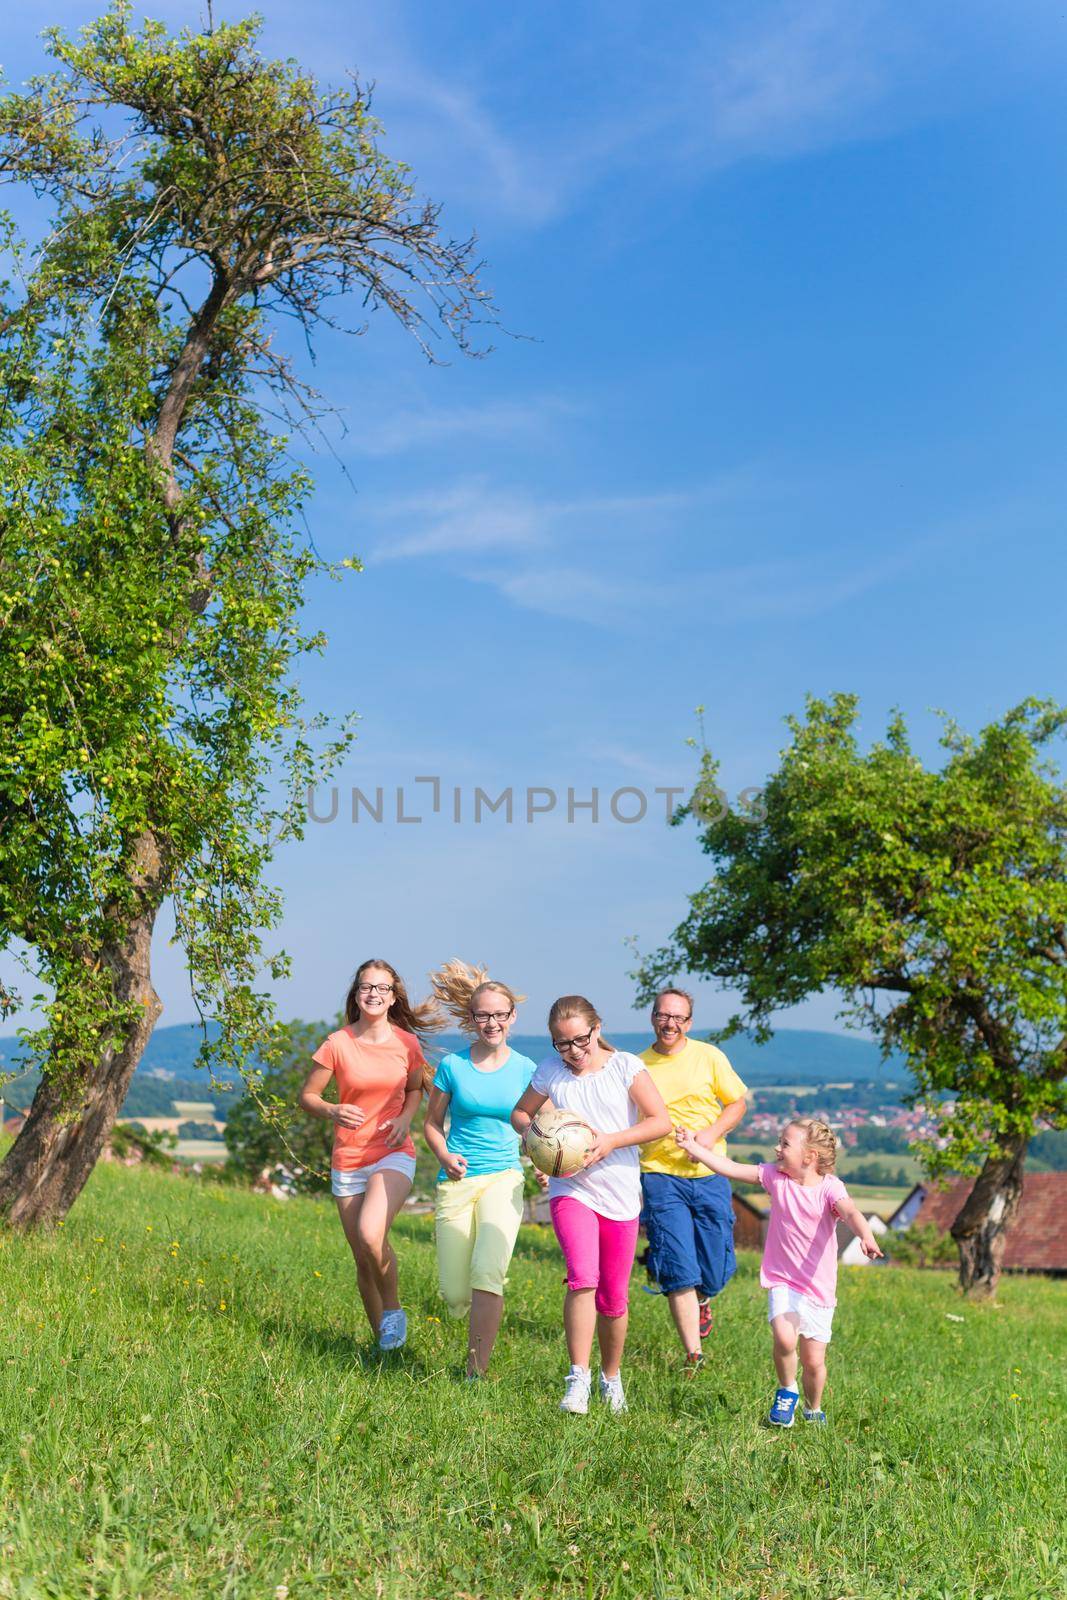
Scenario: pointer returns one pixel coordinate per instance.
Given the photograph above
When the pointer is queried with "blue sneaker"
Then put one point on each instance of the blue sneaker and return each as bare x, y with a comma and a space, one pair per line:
785, 1403
814, 1416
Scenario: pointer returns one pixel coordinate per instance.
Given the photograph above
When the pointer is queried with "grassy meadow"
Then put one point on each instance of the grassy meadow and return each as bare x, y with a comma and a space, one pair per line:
189, 1406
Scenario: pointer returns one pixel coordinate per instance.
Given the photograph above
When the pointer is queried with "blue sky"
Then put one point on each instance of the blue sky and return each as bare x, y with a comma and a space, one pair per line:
786, 415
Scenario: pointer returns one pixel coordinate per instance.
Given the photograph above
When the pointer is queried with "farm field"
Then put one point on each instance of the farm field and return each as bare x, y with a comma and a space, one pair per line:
212, 1151
869, 1197
189, 1406
741, 1149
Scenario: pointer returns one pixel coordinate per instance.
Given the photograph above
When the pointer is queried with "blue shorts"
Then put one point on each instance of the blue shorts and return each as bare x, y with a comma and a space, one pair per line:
690, 1227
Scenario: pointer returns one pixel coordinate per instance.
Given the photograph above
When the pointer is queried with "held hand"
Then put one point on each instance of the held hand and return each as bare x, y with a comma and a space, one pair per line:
395, 1131
687, 1140
541, 1177
348, 1116
455, 1166
603, 1144
870, 1248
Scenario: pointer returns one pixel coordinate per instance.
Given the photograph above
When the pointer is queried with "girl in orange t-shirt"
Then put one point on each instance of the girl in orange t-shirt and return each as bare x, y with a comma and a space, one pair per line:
378, 1063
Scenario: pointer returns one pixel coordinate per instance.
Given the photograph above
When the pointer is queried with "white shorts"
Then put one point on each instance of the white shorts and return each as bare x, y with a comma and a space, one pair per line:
356, 1181
813, 1320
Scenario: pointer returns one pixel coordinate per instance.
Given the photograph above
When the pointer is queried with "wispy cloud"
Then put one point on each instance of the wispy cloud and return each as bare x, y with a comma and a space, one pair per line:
792, 75
525, 119
498, 420
762, 591
496, 134
556, 588
476, 516
595, 557
464, 519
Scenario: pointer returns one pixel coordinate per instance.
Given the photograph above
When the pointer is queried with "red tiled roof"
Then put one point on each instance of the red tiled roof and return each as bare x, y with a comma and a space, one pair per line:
1037, 1240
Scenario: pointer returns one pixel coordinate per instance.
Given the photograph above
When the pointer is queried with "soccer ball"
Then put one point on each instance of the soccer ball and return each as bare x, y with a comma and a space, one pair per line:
556, 1142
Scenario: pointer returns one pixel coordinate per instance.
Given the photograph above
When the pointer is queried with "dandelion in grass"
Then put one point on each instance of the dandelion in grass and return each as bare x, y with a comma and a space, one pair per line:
318, 1274
222, 1305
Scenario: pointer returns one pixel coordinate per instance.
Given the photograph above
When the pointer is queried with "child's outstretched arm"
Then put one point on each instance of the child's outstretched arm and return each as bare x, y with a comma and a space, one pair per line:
741, 1171
853, 1217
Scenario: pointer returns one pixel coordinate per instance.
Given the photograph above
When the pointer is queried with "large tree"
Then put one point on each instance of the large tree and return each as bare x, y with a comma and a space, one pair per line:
933, 899
191, 198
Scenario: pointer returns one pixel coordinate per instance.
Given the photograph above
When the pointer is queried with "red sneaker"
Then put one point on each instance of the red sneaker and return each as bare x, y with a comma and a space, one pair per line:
707, 1320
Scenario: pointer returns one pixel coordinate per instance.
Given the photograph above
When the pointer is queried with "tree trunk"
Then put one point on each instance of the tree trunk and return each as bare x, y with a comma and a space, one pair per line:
981, 1229
48, 1165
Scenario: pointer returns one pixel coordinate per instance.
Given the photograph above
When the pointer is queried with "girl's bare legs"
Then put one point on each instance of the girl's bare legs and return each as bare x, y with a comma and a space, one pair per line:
784, 1331
486, 1311
366, 1219
813, 1361
611, 1337
348, 1209
579, 1324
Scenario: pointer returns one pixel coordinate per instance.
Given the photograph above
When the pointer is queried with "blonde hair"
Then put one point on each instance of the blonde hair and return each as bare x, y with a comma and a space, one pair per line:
820, 1137
575, 1005
457, 985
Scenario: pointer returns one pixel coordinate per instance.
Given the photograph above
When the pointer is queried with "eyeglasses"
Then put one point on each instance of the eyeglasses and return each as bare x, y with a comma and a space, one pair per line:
375, 988
579, 1042
484, 1018
669, 1016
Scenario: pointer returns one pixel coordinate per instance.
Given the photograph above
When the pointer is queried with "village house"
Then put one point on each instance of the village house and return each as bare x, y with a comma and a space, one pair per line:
1037, 1241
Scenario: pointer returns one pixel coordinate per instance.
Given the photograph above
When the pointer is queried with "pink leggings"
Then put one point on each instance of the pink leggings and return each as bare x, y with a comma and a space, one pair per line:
598, 1251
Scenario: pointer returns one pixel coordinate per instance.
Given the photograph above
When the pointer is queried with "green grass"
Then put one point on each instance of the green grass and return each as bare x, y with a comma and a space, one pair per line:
189, 1407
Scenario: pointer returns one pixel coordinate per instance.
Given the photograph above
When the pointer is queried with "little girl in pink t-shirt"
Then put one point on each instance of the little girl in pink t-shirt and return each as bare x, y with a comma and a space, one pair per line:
799, 1268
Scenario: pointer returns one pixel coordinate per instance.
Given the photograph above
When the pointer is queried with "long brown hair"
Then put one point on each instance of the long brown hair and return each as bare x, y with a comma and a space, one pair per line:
457, 985
575, 1005
419, 1019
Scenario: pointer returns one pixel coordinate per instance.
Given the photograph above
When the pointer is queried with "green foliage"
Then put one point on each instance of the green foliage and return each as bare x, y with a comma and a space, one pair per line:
156, 1147
153, 559
198, 1130
194, 1409
925, 1246
881, 1141
878, 1173
1048, 1151
934, 900
266, 1128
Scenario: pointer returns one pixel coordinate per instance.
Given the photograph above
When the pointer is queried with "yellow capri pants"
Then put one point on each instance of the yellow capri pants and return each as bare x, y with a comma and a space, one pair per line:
477, 1223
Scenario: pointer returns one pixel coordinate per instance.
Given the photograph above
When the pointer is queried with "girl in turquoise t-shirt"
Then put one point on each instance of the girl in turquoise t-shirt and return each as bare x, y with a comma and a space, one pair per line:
480, 1185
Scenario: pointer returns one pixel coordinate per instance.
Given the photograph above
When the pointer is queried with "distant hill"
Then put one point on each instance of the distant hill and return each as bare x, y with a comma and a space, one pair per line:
795, 1055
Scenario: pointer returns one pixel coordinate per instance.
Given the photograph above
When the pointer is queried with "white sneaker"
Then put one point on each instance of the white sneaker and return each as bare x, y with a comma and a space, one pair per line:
393, 1333
611, 1393
576, 1394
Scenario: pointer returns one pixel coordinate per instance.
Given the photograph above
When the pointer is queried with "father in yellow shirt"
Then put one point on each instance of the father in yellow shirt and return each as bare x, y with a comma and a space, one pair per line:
688, 1211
